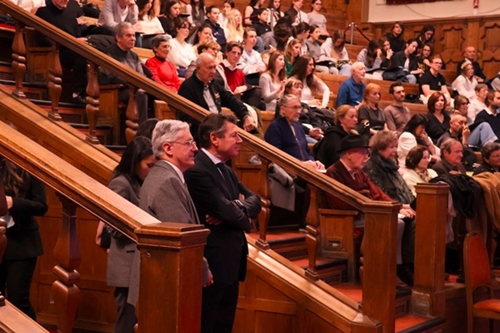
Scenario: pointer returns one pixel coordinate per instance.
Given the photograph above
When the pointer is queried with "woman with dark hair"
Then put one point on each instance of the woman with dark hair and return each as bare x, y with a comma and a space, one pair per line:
292, 53
250, 16
491, 158
181, 53
303, 70
223, 16
439, 120
163, 70
202, 34
423, 60
301, 32
170, 11
334, 47
417, 171
387, 52
395, 37
275, 13
272, 81
407, 62
370, 115
371, 56
150, 24
135, 164
25, 197
426, 36
414, 134
313, 48
146, 128
316, 18
196, 11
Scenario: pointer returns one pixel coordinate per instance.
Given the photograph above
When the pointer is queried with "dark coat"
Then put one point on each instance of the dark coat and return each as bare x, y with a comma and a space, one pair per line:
280, 135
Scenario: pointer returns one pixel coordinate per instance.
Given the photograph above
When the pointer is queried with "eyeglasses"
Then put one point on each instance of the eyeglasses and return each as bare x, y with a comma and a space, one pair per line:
437, 63
190, 143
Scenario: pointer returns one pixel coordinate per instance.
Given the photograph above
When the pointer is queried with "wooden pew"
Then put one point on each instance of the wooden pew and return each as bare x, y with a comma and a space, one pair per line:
353, 50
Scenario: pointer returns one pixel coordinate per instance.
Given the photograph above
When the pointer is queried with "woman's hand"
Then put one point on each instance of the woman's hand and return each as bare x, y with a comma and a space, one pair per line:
9, 201
98, 234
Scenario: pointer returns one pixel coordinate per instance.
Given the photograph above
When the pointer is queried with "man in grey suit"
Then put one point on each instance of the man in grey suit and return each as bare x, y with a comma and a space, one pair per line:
164, 193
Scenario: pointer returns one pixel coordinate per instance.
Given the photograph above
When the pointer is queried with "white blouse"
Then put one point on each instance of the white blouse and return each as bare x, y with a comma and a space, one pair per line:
181, 55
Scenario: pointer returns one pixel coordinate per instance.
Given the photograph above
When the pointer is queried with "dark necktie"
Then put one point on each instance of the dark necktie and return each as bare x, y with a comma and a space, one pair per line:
223, 171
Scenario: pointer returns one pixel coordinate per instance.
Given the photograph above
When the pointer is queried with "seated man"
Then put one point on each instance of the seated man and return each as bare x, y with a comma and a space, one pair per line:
278, 39
202, 90
477, 104
470, 56
433, 81
451, 158
351, 90
490, 114
396, 114
348, 170
122, 52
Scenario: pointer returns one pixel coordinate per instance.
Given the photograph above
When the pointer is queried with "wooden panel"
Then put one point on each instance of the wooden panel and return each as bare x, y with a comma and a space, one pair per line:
489, 36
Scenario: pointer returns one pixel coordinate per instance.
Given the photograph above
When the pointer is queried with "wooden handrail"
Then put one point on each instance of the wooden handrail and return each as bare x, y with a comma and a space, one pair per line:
175, 101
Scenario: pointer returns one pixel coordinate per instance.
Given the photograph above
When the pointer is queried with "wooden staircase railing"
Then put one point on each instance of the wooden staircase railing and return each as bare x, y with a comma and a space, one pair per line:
380, 231
163, 246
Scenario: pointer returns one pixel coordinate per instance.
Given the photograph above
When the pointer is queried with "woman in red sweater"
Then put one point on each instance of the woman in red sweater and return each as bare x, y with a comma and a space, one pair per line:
164, 71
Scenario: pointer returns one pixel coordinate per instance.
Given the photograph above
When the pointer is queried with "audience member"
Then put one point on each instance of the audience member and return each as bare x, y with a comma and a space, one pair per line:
316, 18
465, 83
490, 153
223, 17
451, 161
234, 29
351, 90
275, 13
477, 104
407, 62
303, 69
346, 121
251, 62
460, 131
480, 133
433, 81
251, 12
278, 39
29, 6
396, 114
146, 128
334, 47
395, 37
426, 35
211, 47
349, 171
470, 56
225, 206
181, 53
414, 134
301, 16
122, 51
196, 11
217, 31
371, 56
292, 53
261, 26
370, 115
162, 69
117, 11
490, 114
313, 47
150, 24
301, 32
272, 82
387, 52
203, 91
128, 176
170, 11
439, 120
423, 61
24, 198
417, 172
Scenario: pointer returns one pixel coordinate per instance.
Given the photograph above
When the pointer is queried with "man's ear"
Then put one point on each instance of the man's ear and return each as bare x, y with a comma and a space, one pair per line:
167, 149
214, 140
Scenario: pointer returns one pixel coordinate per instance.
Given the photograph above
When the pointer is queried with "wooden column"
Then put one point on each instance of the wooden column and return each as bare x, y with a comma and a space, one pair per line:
313, 235
92, 107
65, 293
171, 277
19, 60
379, 267
54, 84
265, 212
132, 114
428, 296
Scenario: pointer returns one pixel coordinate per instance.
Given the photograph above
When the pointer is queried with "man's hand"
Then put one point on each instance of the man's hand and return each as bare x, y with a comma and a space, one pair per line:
212, 220
465, 134
316, 133
210, 279
407, 211
316, 165
248, 124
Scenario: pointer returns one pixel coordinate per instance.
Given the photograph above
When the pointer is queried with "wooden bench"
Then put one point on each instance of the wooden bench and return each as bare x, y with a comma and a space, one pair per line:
353, 51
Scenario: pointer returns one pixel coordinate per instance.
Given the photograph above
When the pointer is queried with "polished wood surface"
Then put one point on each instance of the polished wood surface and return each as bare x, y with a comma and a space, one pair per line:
13, 320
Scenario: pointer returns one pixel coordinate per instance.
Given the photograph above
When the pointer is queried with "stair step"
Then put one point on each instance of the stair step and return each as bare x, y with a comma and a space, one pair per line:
70, 113
418, 324
331, 270
102, 132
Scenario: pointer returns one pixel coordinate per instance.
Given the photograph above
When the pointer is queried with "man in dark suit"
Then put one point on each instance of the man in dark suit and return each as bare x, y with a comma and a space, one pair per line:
201, 89
451, 158
225, 205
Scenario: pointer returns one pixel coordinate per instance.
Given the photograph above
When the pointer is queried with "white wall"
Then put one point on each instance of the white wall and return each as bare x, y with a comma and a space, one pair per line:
380, 12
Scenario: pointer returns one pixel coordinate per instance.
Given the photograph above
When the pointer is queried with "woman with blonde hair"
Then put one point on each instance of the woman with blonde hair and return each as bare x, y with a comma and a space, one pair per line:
292, 53
370, 114
234, 29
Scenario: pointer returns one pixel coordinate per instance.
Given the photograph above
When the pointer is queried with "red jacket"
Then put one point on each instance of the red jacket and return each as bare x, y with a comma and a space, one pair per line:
164, 72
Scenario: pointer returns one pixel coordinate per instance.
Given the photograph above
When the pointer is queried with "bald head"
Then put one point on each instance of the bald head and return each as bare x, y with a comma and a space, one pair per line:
457, 123
205, 67
470, 53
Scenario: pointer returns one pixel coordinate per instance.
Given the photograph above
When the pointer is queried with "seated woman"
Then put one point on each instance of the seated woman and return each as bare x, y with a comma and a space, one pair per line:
251, 62
426, 35
313, 46
417, 171
292, 53
251, 12
386, 54
370, 115
163, 70
316, 18
346, 122
286, 134
303, 70
170, 11
301, 32
275, 13
414, 134
371, 56
395, 37
465, 83
491, 158
438, 119
149, 22
181, 53
30, 6
335, 49
234, 28
407, 62
480, 133
196, 11
202, 35
211, 47
349, 170
311, 124
272, 81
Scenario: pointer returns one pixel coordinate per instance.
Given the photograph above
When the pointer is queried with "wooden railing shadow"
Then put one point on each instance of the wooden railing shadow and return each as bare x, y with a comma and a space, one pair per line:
381, 217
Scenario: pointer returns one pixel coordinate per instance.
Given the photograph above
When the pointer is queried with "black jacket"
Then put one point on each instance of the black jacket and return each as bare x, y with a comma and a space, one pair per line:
398, 61
464, 191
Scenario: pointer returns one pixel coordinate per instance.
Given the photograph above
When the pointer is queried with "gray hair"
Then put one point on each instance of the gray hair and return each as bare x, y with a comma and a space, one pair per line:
285, 99
166, 131
488, 149
447, 144
120, 28
356, 65
203, 59
158, 39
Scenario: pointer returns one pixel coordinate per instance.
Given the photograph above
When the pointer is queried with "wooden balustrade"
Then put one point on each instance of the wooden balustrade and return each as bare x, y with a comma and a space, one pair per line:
19, 60
92, 107
55, 81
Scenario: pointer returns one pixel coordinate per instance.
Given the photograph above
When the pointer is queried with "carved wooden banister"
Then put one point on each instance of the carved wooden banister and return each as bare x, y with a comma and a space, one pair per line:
92, 107
428, 296
65, 293
313, 235
132, 114
55, 81
19, 60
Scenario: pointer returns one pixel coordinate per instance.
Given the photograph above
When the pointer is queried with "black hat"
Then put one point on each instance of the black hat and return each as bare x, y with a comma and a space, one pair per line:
352, 141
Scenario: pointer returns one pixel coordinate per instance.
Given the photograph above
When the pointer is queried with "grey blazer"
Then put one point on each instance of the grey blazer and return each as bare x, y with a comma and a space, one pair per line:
122, 249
